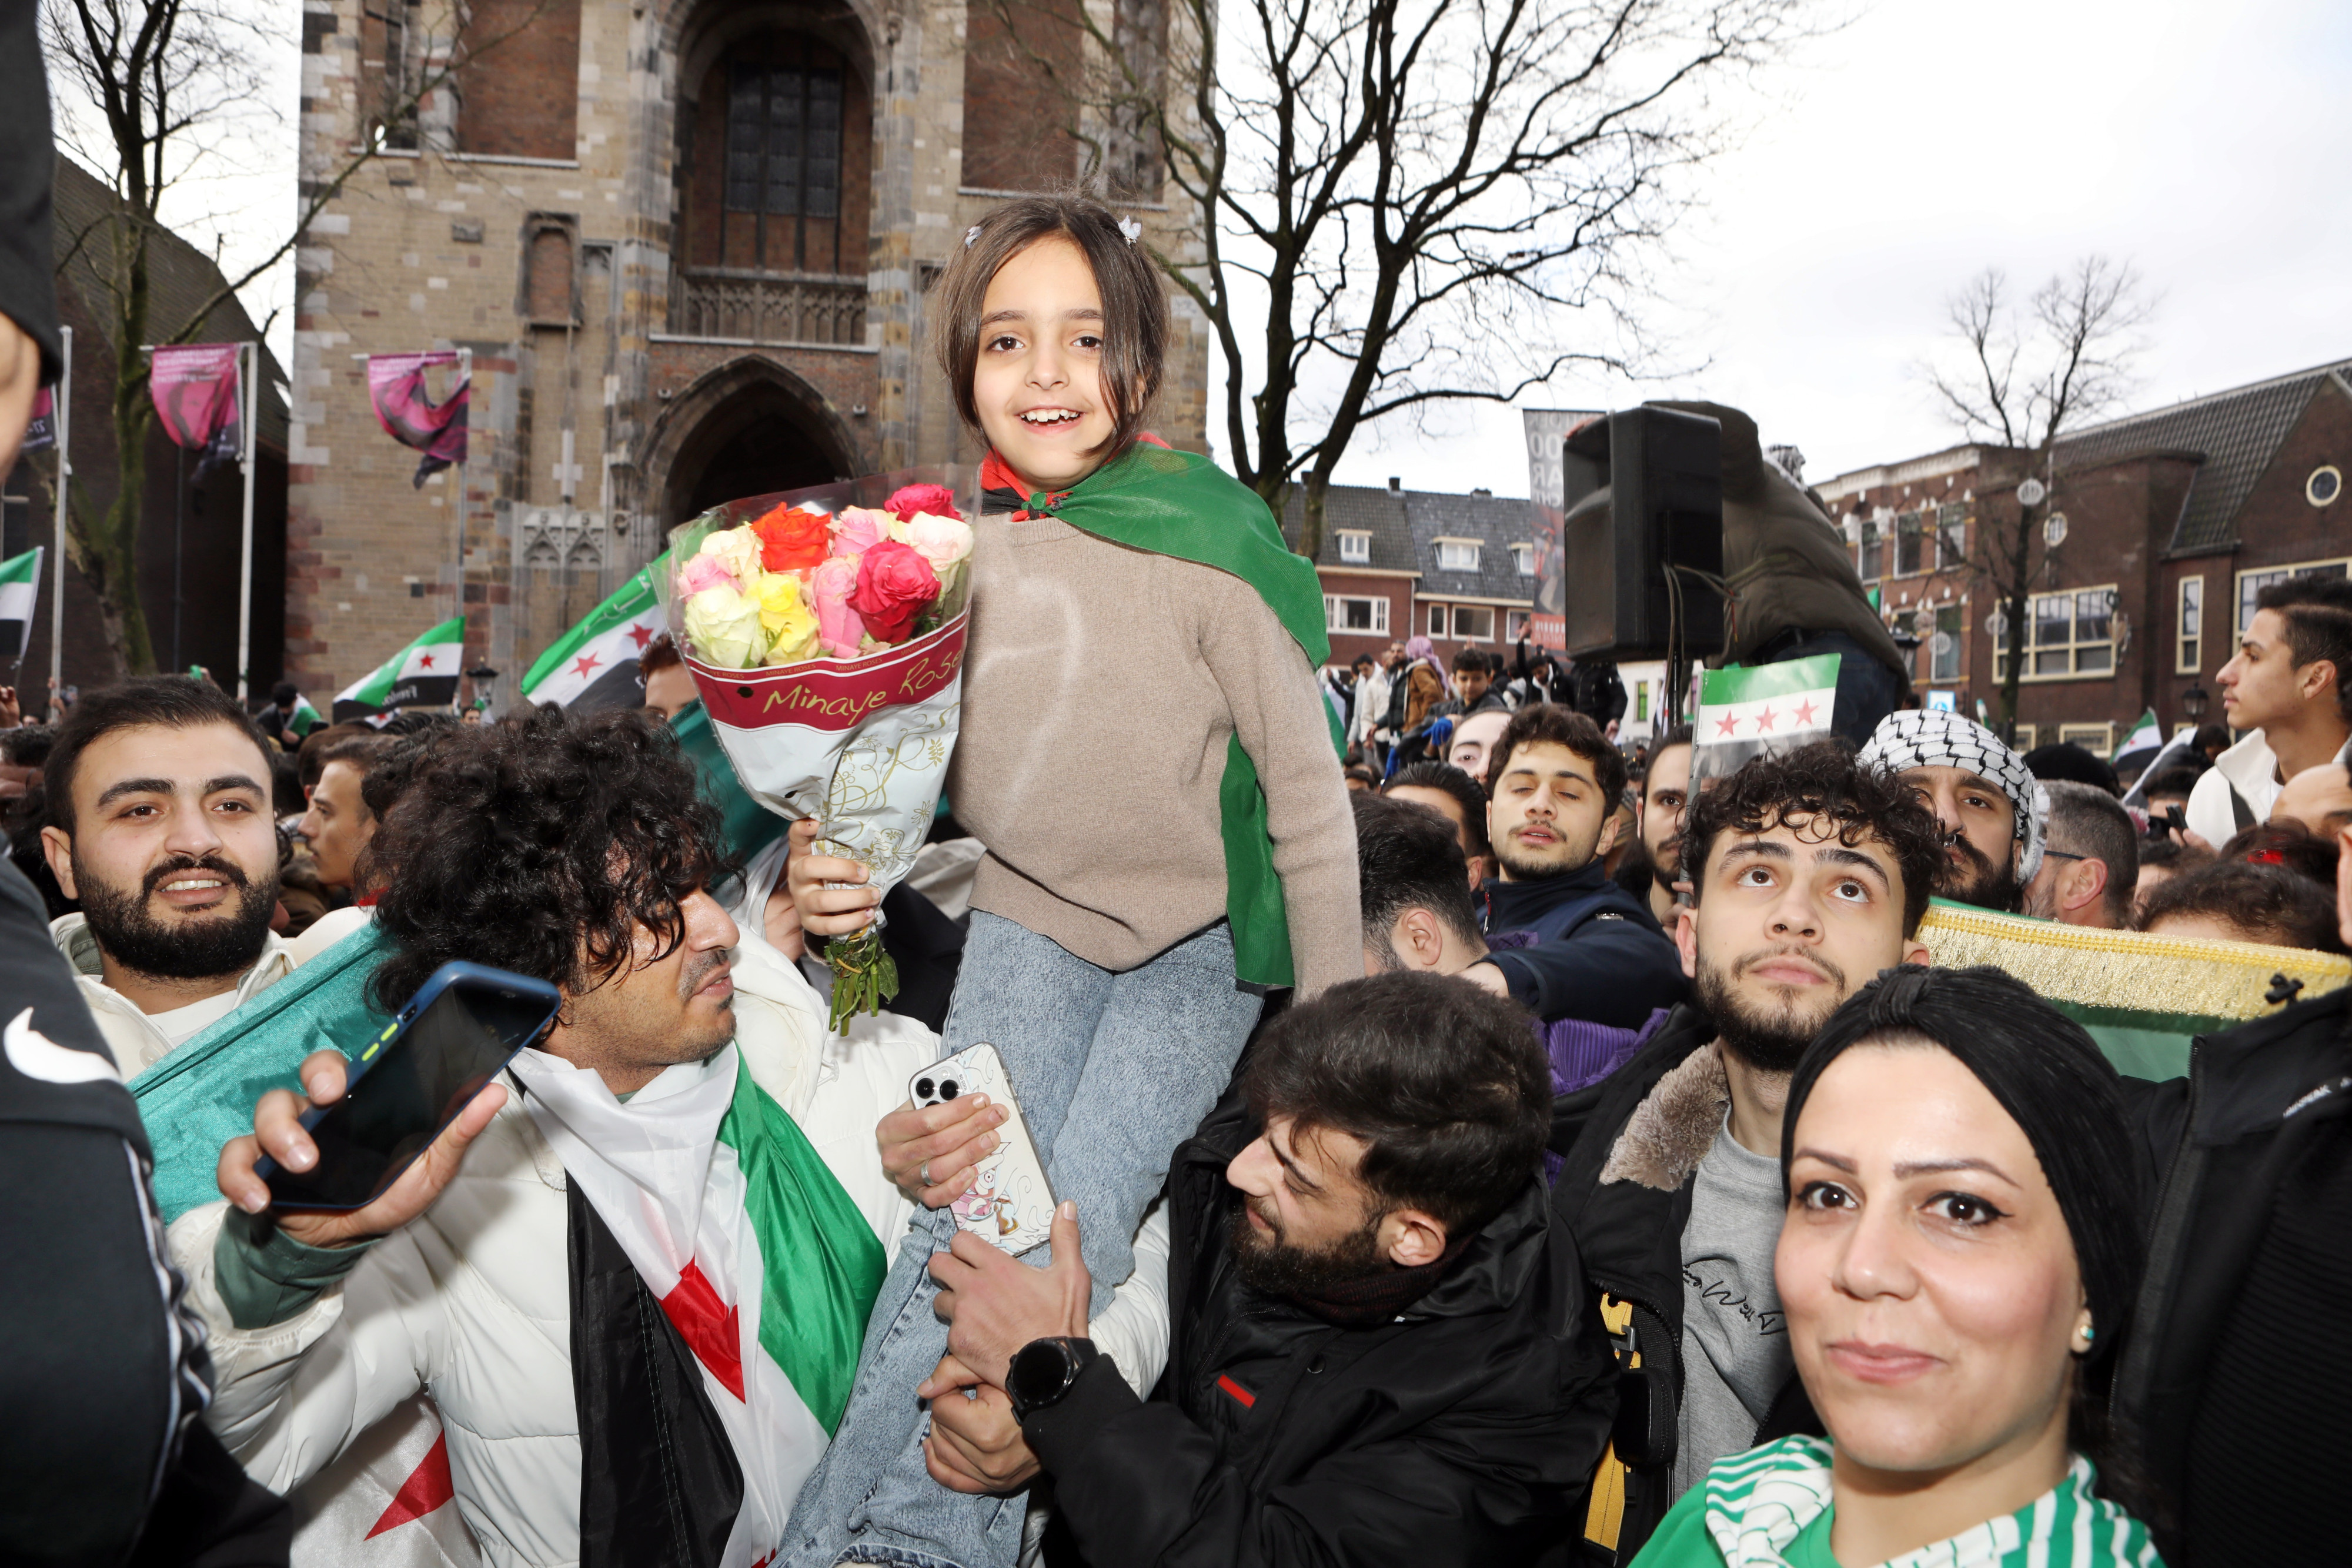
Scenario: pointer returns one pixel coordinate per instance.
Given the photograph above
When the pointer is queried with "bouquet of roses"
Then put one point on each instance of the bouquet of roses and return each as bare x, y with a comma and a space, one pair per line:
825, 631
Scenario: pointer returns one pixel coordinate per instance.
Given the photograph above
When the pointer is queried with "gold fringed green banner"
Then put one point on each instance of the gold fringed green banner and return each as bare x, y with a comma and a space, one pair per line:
2144, 999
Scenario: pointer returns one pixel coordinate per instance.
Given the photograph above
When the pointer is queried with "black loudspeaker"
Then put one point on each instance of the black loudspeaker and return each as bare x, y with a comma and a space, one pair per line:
1642, 494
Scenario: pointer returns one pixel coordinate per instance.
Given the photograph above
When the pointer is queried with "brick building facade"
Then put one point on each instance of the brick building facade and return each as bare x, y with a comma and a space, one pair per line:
687, 242
1398, 564
2172, 520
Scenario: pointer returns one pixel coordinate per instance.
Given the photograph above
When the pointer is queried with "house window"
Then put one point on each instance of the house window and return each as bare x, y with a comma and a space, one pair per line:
1474, 623
2072, 634
2251, 583
2023, 740
1458, 555
1437, 621
1343, 613
1871, 562
1910, 539
1944, 645
2095, 738
1515, 625
1523, 557
1951, 536
1355, 546
2191, 653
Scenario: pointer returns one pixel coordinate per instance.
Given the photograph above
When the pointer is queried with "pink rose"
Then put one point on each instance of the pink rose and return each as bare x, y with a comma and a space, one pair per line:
701, 572
895, 585
909, 500
859, 529
837, 625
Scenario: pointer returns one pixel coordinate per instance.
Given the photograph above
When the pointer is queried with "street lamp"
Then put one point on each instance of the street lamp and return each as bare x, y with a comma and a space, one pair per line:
2192, 702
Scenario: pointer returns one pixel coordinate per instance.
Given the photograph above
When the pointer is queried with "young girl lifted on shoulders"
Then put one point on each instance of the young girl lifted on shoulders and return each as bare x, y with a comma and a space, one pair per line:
1145, 753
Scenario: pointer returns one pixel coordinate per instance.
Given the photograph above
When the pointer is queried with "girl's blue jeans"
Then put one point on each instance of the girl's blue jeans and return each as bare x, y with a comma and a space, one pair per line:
1112, 1072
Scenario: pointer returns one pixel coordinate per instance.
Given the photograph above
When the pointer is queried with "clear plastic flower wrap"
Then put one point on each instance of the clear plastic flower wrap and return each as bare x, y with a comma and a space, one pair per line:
824, 629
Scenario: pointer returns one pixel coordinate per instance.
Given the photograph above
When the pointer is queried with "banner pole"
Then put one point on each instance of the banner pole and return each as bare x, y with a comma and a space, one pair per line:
62, 411
251, 354
466, 379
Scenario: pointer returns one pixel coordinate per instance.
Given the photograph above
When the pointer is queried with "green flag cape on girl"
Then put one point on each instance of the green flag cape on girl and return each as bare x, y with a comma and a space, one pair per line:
1179, 503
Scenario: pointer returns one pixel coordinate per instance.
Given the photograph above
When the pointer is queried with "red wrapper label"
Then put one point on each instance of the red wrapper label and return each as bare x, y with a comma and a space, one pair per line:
828, 694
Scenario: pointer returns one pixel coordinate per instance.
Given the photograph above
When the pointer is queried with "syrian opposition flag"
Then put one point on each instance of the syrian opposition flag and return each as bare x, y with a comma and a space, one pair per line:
760, 1259
1746, 712
306, 717
595, 664
20, 589
423, 672
2140, 746
386, 1501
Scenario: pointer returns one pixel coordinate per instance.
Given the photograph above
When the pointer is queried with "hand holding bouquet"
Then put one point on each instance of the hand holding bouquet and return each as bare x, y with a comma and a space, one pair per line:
826, 639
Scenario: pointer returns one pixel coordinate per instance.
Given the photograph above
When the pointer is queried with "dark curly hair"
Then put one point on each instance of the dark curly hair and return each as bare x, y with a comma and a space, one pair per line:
540, 845
1810, 783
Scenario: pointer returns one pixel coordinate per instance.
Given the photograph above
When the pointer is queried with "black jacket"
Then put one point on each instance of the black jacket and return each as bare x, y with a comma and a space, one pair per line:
2236, 1370
1462, 1432
1629, 1233
1606, 962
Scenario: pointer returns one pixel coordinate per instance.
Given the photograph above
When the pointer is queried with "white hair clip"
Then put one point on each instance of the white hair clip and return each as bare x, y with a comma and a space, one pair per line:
970, 235
1132, 229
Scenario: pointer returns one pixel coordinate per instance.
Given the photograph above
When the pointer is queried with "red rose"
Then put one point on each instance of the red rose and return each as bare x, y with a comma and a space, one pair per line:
909, 500
794, 540
895, 584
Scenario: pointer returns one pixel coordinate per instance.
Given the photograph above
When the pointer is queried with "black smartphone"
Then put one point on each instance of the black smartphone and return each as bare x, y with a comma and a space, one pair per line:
456, 1034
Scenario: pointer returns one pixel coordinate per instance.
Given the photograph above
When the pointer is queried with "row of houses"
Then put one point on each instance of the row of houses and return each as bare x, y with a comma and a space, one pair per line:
2161, 527
1397, 564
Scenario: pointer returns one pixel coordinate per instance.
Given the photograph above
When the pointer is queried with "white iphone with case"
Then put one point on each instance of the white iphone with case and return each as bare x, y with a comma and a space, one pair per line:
1009, 1206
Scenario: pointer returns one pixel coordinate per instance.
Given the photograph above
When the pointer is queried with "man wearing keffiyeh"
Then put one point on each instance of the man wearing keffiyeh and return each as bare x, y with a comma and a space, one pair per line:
1993, 811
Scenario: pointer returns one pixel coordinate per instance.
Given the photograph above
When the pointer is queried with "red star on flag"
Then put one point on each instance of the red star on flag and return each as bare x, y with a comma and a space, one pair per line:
584, 662
1805, 711
641, 634
428, 1486
1764, 721
424, 663
1726, 725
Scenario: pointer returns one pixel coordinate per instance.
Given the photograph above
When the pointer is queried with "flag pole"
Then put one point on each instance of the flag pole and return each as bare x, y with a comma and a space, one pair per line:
62, 412
466, 379
251, 354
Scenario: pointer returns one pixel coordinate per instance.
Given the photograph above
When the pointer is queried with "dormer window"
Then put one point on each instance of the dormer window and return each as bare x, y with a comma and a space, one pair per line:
1355, 546
1458, 555
1523, 557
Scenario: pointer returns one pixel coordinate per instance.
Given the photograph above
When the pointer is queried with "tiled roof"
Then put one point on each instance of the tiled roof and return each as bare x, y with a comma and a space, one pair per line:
2237, 433
1498, 522
1357, 509
180, 278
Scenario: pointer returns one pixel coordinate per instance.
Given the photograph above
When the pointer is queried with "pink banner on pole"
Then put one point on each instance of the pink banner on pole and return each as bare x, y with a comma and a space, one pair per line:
41, 430
396, 389
196, 394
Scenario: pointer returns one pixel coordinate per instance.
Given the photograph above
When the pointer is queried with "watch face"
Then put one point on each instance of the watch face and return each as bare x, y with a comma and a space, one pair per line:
1038, 1373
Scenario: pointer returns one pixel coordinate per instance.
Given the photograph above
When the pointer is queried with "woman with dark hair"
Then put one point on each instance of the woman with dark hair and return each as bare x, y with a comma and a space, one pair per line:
1960, 1250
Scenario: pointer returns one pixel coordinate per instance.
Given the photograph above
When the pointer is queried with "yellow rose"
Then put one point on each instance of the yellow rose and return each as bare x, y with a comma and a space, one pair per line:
787, 619
722, 628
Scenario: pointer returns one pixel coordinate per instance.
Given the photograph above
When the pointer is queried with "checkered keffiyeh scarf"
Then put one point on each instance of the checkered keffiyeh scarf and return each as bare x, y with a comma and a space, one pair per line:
1922, 737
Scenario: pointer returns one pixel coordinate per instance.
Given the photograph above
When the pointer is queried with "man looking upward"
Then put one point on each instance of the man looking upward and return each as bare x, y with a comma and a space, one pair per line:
1993, 811
1810, 873
2286, 684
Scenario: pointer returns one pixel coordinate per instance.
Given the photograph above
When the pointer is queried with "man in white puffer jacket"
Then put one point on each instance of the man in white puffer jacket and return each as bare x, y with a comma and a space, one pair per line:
588, 1420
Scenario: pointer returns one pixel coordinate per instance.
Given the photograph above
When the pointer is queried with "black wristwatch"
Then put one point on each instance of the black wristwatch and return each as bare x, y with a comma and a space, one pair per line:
1043, 1371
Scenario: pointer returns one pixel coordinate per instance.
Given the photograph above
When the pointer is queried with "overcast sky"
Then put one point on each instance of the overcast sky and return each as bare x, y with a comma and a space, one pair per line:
2204, 143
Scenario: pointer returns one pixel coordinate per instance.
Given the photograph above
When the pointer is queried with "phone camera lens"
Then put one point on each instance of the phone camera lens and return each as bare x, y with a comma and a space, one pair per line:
950, 1089
922, 1088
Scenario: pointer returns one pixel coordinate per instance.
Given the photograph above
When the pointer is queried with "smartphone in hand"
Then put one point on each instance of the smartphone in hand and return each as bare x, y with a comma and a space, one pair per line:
1009, 1207
456, 1034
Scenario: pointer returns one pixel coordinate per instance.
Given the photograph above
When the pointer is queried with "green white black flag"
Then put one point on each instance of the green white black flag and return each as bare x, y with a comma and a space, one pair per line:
423, 672
595, 664
1746, 712
20, 589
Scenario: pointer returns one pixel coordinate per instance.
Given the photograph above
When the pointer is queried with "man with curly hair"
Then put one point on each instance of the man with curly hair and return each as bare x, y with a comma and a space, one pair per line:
591, 1273
1810, 873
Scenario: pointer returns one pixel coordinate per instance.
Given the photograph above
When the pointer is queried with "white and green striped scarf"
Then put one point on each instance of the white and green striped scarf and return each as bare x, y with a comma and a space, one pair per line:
1760, 1502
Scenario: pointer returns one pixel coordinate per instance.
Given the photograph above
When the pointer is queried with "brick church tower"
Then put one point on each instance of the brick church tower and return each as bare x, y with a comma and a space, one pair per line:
686, 243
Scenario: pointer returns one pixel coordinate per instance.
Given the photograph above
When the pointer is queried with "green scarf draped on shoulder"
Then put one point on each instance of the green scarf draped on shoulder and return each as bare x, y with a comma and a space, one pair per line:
1179, 503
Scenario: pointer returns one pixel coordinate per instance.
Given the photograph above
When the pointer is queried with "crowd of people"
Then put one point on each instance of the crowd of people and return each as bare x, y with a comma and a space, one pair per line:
1498, 1145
